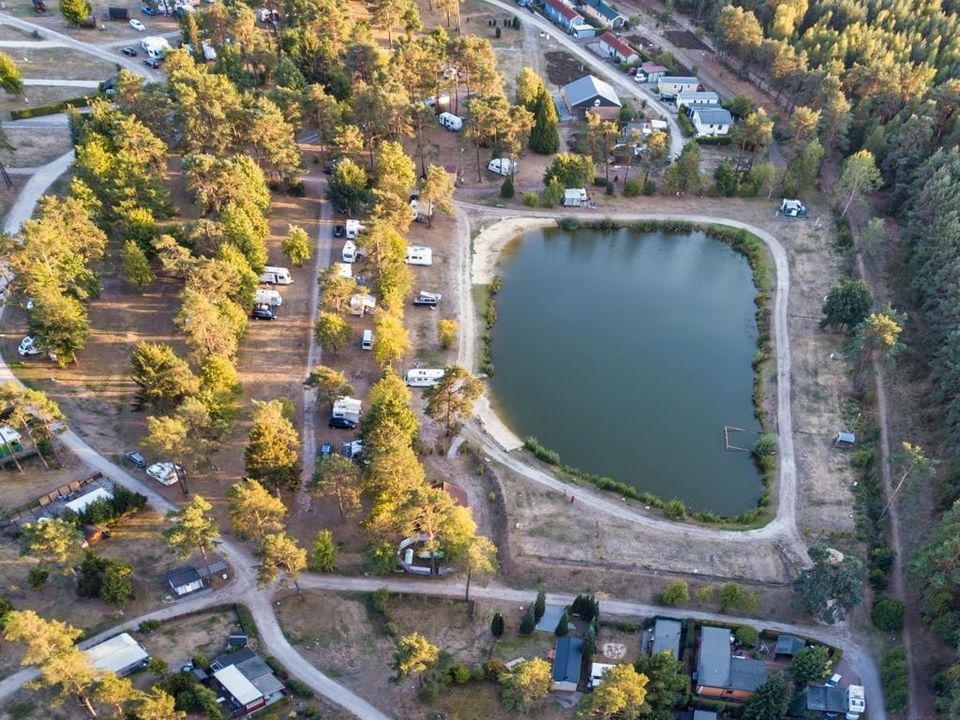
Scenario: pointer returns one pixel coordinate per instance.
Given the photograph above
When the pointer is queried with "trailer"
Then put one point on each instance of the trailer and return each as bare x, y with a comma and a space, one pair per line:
419, 255
353, 228
424, 377
502, 166
272, 275
344, 270
451, 122
268, 297
347, 408
574, 197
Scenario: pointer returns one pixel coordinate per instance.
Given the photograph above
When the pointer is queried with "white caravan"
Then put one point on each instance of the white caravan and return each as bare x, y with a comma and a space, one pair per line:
419, 255
275, 276
424, 377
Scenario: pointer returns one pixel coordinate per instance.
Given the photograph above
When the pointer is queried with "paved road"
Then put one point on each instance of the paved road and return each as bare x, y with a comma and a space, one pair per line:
86, 48
783, 525
29, 44
26, 201
53, 82
621, 81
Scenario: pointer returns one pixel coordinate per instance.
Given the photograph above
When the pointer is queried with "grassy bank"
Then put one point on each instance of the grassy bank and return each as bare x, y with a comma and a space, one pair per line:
755, 251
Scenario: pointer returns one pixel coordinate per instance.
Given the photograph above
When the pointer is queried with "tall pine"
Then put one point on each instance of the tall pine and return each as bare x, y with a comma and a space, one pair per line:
544, 138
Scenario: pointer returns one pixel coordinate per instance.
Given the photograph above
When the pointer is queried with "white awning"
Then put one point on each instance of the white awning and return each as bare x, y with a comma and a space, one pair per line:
237, 685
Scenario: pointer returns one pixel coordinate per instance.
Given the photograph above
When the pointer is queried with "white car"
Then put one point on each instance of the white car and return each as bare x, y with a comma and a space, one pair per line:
29, 348
164, 473
137, 25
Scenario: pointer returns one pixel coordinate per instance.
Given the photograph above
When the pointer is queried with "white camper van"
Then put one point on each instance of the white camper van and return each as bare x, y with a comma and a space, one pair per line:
367, 342
349, 252
344, 270
502, 166
424, 377
450, 121
275, 276
353, 228
268, 297
419, 255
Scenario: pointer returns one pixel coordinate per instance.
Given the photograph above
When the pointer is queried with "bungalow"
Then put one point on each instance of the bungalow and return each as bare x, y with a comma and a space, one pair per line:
121, 655
719, 675
614, 47
567, 659
711, 121
788, 645
244, 697
670, 85
690, 98
653, 71
604, 13
666, 637
567, 18
248, 679
184, 580
591, 94
833, 701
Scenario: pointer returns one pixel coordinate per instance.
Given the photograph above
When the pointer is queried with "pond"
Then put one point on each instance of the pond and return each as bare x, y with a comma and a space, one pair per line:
628, 353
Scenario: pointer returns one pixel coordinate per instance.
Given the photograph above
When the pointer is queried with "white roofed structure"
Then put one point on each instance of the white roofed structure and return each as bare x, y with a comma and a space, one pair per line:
121, 655
241, 689
85, 501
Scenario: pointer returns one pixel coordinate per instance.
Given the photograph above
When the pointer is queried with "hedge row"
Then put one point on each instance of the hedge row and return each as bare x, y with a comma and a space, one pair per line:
50, 108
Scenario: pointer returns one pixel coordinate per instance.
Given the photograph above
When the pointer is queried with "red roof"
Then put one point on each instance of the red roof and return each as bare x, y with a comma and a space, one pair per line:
652, 67
561, 7
619, 46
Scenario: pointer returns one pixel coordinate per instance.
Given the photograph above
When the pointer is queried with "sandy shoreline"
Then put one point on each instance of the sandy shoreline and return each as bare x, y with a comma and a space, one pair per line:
488, 245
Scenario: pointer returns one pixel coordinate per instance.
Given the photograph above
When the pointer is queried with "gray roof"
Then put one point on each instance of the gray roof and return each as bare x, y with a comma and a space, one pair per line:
679, 79
182, 576
713, 115
232, 658
582, 92
567, 661
601, 7
826, 698
788, 645
704, 715
666, 637
697, 95
713, 660
746, 673
260, 675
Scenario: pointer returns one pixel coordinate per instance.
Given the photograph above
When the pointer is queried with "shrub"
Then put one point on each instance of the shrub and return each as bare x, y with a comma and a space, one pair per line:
893, 674
49, 109
148, 626
631, 188
551, 457
676, 594
747, 635
649, 188
887, 614
379, 600
734, 597
569, 224
496, 625
765, 445
37, 577
460, 674
529, 622
676, 509
506, 189
530, 199
247, 624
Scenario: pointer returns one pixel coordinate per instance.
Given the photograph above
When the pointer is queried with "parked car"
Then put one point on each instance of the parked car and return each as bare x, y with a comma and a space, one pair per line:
129, 51
152, 63
341, 423
165, 473
136, 459
147, 10
137, 25
28, 347
326, 450
263, 311
338, 231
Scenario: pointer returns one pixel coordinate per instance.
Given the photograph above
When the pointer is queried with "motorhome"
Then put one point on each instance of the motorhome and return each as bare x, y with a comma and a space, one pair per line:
275, 276
793, 209
427, 299
155, 46
268, 297
344, 270
419, 255
574, 197
450, 121
367, 342
502, 166
353, 229
424, 377
347, 408
349, 252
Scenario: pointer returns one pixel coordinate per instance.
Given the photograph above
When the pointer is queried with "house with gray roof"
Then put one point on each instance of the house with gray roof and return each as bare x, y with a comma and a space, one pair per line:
567, 662
721, 675
711, 120
591, 94
666, 637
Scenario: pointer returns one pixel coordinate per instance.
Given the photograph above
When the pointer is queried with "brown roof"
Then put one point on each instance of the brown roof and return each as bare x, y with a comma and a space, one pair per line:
617, 44
561, 7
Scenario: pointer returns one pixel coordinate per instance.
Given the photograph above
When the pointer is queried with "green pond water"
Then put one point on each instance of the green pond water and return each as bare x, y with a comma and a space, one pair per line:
628, 353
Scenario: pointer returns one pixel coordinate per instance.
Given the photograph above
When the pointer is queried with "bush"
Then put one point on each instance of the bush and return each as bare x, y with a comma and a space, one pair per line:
887, 614
530, 199
247, 624
496, 625
148, 626
631, 188
676, 594
676, 509
379, 600
50, 108
551, 457
765, 446
893, 674
686, 127
506, 189
37, 577
747, 635
649, 188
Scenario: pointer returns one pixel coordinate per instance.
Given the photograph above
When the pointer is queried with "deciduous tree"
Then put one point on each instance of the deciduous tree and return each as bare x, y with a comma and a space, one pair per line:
860, 176
622, 693
329, 383
527, 685
829, 588
390, 339
296, 246
10, 75
75, 12
810, 664
437, 192
847, 304
332, 332
769, 701
665, 679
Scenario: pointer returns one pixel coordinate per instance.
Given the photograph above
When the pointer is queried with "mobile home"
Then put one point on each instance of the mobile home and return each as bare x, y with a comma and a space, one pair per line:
349, 252
574, 197
671, 85
450, 121
268, 297
419, 255
344, 270
353, 228
348, 408
275, 276
424, 377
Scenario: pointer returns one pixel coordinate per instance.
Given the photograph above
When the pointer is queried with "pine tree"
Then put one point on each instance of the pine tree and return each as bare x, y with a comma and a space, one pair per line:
544, 138
589, 642
529, 621
563, 625
540, 606
496, 625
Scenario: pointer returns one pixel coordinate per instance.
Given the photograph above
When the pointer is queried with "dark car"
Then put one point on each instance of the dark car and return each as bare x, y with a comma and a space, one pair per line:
262, 311
137, 459
129, 51
338, 231
152, 63
326, 450
147, 10
339, 423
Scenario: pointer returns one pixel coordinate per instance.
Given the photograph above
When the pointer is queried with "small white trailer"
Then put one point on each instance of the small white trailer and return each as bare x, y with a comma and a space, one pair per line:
419, 255
347, 408
268, 297
574, 197
502, 166
344, 270
451, 122
353, 228
272, 275
424, 377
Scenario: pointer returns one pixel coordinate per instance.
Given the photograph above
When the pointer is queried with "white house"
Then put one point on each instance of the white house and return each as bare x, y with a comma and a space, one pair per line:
84, 501
711, 121
673, 84
184, 580
617, 48
688, 99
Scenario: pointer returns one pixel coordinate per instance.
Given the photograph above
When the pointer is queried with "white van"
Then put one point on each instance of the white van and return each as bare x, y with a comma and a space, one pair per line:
424, 377
451, 122
349, 252
367, 342
275, 276
353, 228
419, 255
502, 166
268, 297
